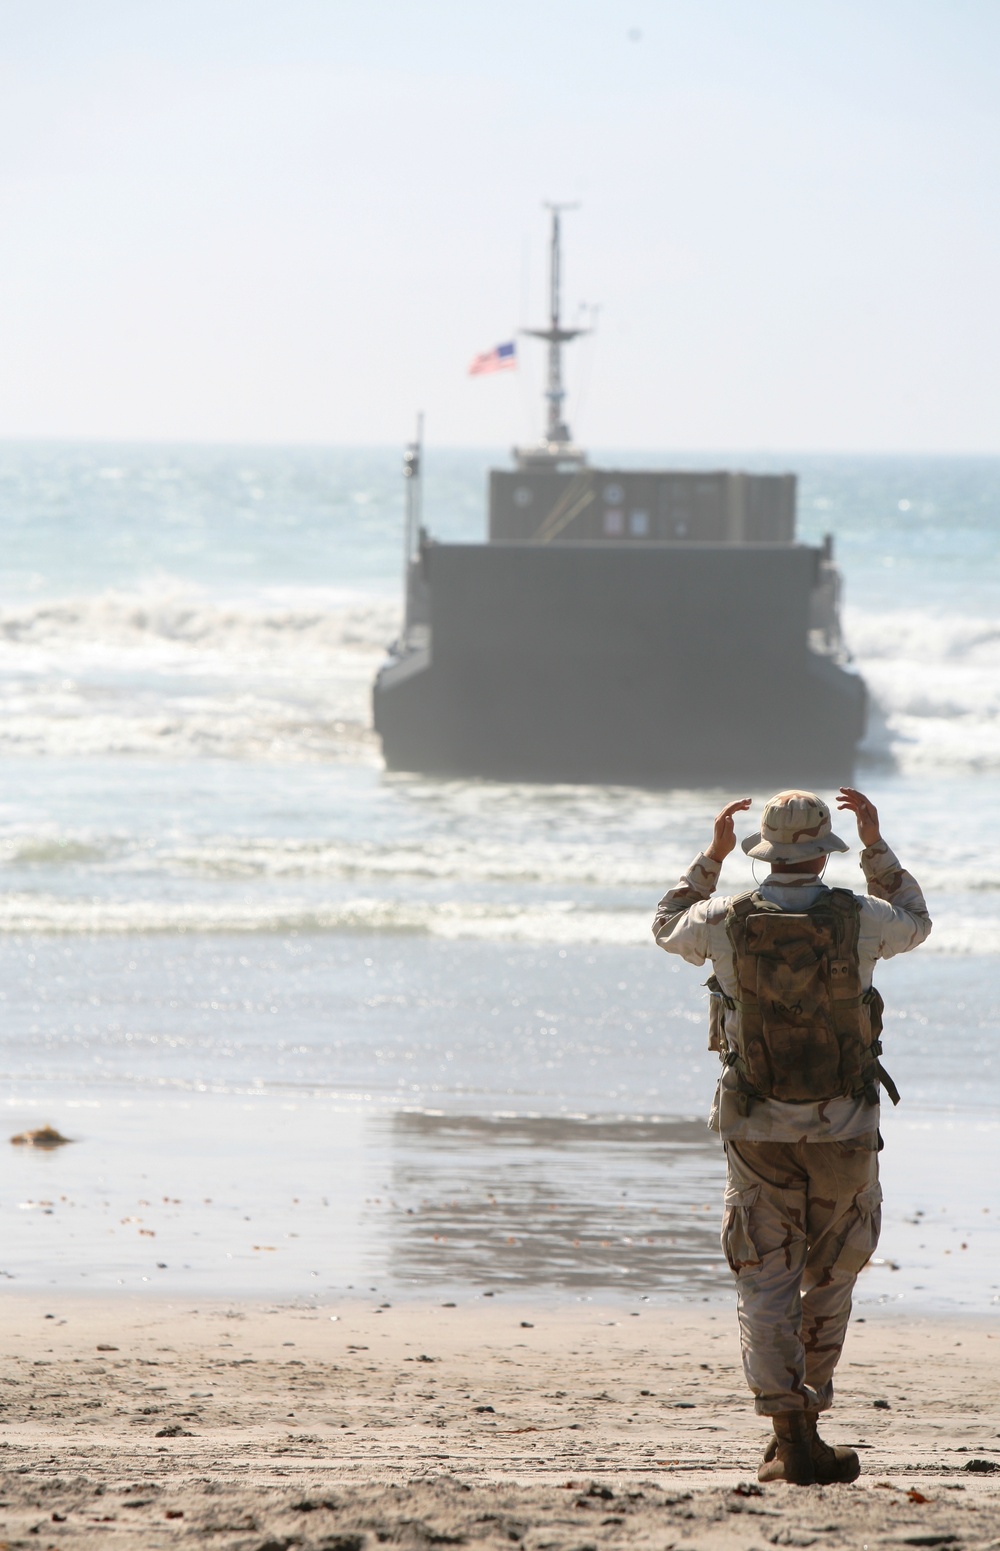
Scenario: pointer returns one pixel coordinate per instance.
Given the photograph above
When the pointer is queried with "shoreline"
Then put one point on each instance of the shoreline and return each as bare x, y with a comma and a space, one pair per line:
611, 1307
487, 1422
272, 1197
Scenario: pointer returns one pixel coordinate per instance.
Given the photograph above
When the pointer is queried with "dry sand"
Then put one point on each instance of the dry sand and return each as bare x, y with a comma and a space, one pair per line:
148, 1424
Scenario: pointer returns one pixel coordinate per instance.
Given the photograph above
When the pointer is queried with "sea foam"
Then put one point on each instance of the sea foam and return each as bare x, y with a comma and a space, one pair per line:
167, 673
934, 679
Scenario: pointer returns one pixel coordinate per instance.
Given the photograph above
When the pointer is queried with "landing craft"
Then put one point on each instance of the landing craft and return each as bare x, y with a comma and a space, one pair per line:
656, 628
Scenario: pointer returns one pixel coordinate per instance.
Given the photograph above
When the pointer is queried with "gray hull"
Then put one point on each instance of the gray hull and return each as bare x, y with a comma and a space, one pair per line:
652, 664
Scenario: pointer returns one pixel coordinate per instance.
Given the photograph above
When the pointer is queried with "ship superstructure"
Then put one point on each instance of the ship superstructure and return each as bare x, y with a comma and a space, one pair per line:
644, 626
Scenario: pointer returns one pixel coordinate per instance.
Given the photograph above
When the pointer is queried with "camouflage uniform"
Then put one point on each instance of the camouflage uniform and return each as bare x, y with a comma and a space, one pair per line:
802, 1206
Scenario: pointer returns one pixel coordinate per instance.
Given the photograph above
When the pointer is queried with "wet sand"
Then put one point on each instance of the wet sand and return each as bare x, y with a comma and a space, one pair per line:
143, 1423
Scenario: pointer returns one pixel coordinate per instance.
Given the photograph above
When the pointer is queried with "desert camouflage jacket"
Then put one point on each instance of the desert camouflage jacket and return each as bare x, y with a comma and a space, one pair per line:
690, 922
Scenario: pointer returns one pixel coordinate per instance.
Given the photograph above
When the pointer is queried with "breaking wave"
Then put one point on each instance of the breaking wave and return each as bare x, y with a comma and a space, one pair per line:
172, 623
935, 683
550, 923
554, 923
168, 673
466, 861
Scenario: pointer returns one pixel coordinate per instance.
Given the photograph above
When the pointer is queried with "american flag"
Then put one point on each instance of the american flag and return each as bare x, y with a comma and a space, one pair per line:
502, 358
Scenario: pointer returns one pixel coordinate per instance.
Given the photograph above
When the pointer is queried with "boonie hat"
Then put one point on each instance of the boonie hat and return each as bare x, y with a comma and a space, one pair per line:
794, 827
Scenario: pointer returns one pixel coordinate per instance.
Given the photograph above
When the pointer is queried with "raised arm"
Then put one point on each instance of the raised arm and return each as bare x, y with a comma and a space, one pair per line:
904, 920
680, 924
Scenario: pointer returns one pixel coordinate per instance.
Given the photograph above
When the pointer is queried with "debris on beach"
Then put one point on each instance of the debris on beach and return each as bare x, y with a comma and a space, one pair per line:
162, 1427
43, 1136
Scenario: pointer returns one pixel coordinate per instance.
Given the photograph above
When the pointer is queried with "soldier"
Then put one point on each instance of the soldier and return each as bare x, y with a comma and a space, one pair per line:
796, 1020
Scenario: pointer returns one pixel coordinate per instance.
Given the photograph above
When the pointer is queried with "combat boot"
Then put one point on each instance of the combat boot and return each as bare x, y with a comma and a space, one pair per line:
789, 1455
831, 1464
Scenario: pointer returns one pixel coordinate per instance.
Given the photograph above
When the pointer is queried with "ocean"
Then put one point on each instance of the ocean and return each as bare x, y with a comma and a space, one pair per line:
313, 1027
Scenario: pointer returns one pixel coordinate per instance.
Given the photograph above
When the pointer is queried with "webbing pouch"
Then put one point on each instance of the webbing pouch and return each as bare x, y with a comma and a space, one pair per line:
718, 1003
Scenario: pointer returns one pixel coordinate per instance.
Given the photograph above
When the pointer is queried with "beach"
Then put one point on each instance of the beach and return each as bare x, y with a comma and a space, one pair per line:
380, 1104
392, 392
495, 1421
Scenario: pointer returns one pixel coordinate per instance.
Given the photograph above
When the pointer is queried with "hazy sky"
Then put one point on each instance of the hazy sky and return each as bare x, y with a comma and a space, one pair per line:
297, 220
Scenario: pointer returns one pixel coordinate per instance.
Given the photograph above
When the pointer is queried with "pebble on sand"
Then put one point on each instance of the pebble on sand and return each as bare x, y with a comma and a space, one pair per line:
44, 1136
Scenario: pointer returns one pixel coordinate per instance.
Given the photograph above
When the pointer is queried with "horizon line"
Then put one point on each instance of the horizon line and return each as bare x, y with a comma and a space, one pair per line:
42, 439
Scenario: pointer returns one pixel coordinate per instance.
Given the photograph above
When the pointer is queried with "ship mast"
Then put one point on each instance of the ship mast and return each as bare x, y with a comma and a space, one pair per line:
557, 446
413, 526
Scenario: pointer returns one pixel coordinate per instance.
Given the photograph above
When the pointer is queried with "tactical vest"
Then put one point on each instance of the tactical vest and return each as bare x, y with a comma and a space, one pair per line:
806, 1031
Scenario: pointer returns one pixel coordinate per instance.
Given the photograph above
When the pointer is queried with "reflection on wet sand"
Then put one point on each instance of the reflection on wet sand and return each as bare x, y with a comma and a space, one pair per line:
523, 1201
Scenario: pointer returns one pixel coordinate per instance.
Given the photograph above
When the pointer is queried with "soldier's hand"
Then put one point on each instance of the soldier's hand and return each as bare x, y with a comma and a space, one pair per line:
724, 835
864, 811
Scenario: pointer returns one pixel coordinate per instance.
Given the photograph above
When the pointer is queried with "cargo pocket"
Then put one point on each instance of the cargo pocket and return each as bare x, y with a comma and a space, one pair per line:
863, 1229
737, 1232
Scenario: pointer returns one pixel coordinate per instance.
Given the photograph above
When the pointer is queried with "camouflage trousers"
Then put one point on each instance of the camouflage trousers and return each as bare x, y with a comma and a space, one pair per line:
801, 1220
